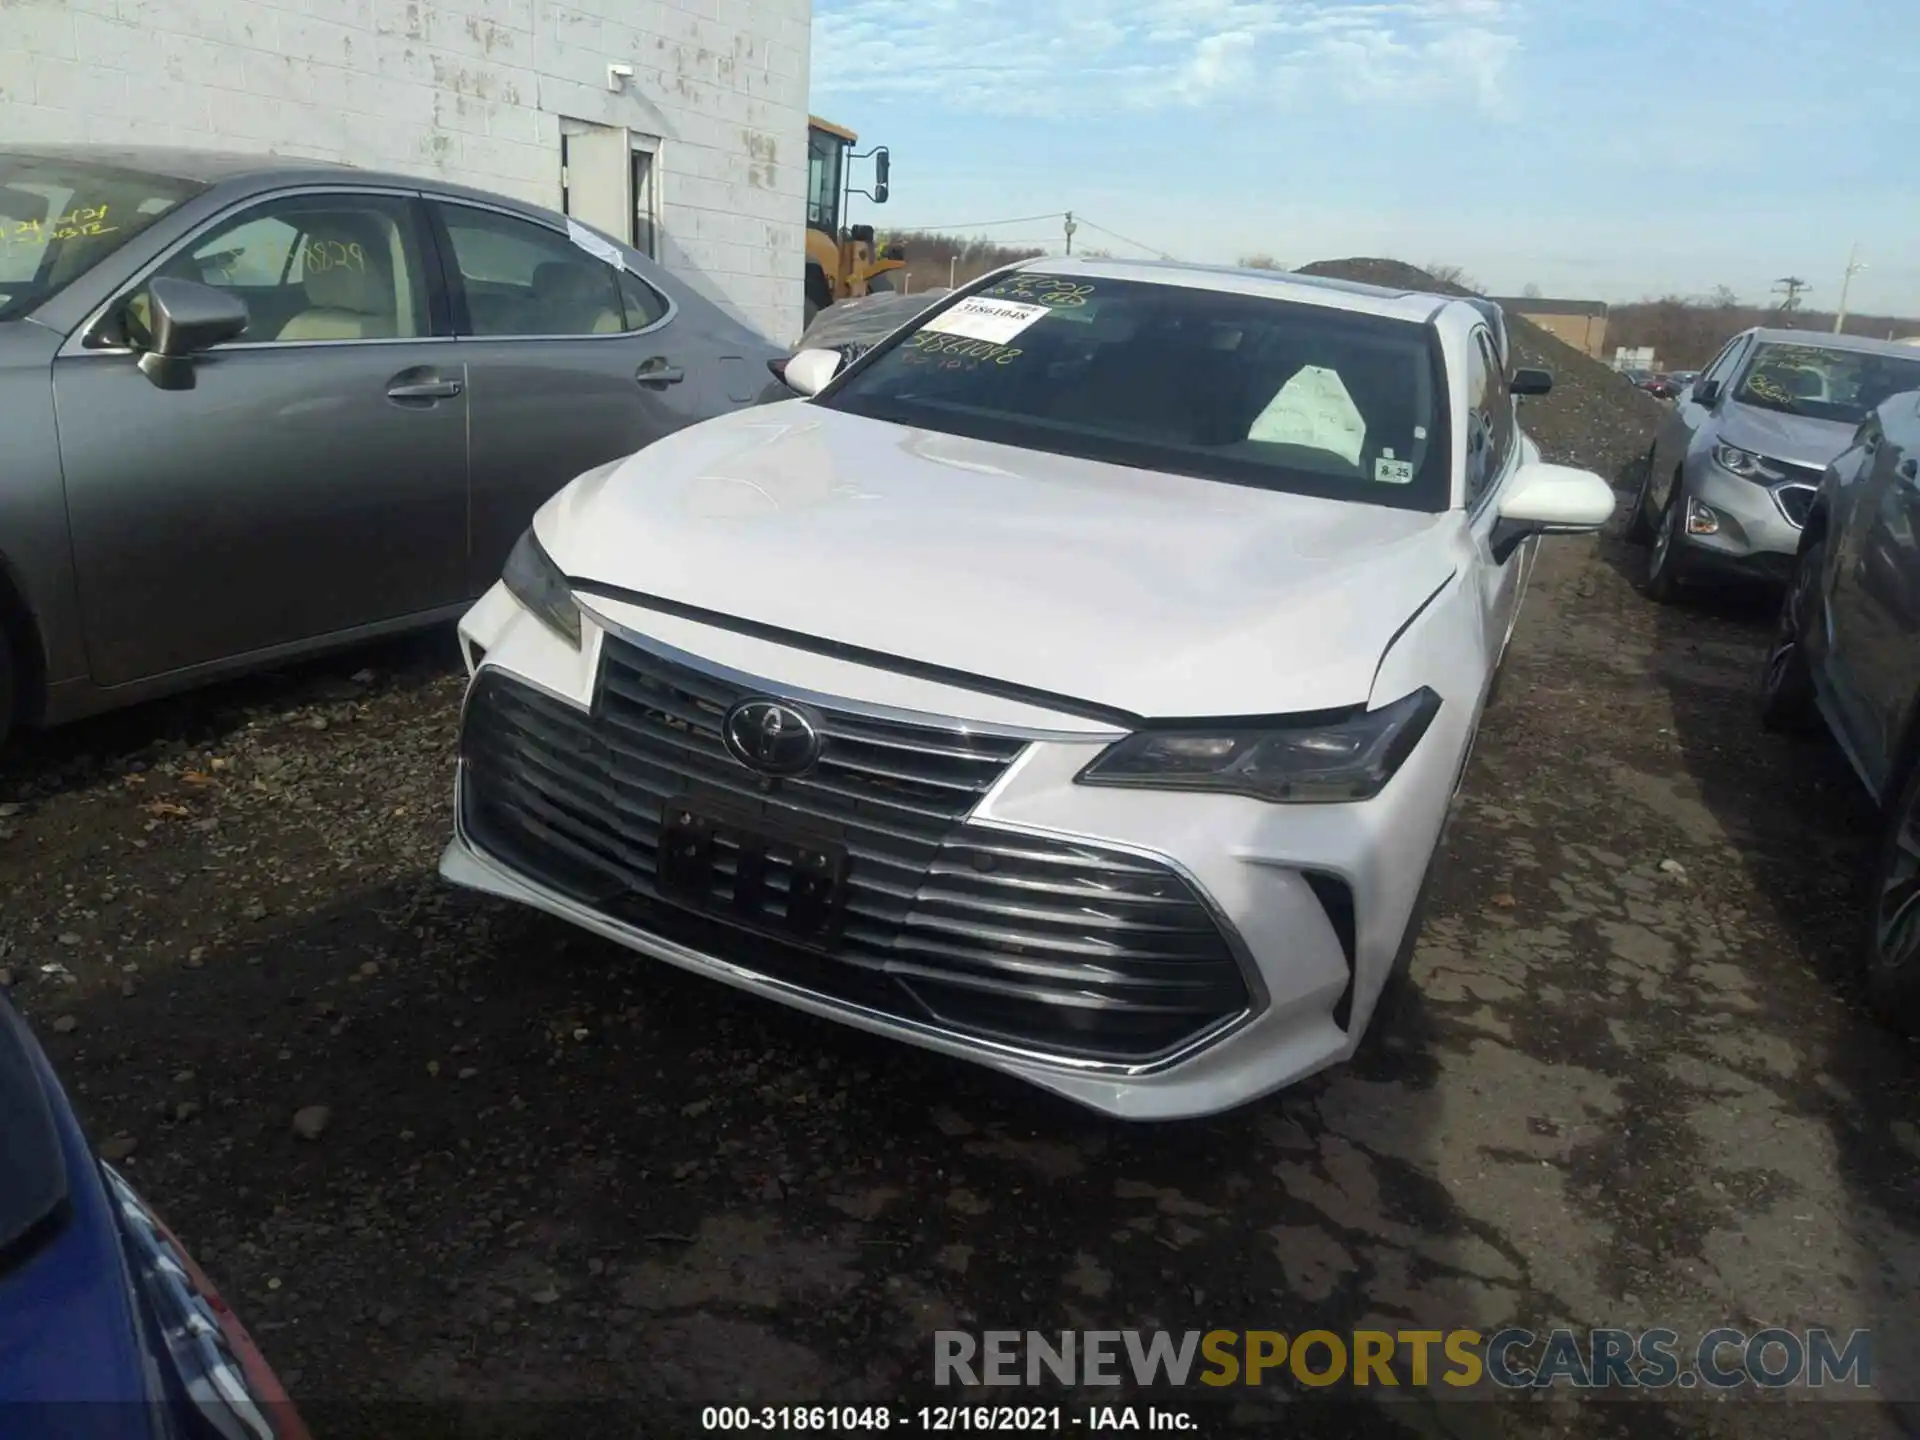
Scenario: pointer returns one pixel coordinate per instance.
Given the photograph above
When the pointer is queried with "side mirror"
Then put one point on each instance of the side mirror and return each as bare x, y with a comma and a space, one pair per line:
882, 166
808, 372
1706, 392
184, 318
1544, 499
1531, 382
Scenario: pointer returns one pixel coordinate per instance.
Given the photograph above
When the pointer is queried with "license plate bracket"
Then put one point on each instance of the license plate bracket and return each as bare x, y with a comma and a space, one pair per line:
786, 880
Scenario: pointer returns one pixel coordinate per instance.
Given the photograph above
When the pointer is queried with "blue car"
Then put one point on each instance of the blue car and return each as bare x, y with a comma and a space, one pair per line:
108, 1330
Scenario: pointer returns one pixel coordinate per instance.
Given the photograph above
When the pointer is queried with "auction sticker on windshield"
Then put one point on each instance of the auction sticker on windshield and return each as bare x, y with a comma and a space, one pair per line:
995, 321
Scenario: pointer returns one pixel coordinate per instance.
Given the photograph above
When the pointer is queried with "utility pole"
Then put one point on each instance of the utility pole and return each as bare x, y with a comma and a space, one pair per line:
1789, 286
1071, 227
1854, 267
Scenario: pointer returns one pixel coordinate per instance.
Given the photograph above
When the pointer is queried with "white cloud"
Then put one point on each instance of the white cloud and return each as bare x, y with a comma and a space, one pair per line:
1077, 57
1219, 63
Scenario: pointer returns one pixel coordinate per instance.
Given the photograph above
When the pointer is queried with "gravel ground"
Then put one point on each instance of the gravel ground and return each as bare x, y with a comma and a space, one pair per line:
438, 1150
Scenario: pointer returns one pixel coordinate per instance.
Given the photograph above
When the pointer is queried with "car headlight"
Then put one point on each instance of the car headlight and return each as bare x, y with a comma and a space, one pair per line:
1313, 761
536, 582
1746, 464
215, 1378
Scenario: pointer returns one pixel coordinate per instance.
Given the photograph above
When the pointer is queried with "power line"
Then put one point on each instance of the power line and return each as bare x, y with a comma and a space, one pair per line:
1138, 245
984, 224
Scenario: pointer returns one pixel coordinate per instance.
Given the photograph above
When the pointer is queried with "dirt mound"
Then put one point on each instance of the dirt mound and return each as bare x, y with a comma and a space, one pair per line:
1593, 417
1393, 274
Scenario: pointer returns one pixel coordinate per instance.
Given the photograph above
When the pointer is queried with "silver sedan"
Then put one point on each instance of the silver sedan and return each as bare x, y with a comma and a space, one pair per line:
255, 408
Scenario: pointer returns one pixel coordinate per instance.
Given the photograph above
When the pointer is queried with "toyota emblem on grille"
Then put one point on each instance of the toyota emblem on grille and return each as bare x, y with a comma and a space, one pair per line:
771, 737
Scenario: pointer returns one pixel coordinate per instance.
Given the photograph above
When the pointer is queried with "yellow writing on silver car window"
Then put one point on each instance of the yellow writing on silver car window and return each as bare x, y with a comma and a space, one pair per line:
320, 256
80, 223
1049, 290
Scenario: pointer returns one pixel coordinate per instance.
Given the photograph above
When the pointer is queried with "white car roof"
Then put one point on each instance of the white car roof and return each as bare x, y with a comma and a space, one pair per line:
1418, 306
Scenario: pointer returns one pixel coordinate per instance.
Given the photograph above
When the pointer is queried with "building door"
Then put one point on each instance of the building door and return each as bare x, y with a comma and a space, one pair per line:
607, 180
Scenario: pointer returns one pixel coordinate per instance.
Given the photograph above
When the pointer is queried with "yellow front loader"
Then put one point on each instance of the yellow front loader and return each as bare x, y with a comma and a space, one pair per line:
843, 263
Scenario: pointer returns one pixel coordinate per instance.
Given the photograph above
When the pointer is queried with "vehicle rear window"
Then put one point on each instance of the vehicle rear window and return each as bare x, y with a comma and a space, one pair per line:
59, 218
1239, 388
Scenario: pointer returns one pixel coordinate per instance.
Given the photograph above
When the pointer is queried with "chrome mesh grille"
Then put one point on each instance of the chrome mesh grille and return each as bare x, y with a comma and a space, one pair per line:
1069, 948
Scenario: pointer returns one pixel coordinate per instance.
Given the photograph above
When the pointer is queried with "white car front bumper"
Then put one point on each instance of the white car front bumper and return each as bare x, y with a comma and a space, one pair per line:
1272, 880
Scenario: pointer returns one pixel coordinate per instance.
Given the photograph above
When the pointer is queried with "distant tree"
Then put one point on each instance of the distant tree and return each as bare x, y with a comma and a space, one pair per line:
933, 258
1260, 261
1530, 290
1688, 331
1453, 275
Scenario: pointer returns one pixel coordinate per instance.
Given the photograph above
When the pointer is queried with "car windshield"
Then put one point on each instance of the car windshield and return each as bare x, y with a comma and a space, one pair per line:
59, 218
1239, 388
1824, 384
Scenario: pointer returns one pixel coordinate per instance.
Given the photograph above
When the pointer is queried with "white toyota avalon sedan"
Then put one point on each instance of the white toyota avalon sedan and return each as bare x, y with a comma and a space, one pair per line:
1077, 683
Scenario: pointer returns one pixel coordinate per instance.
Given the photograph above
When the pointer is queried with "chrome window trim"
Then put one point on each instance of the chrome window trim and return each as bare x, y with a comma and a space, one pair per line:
75, 343
859, 708
673, 307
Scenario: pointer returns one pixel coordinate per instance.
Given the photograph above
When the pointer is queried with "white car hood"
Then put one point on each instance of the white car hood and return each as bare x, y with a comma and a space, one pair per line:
1157, 595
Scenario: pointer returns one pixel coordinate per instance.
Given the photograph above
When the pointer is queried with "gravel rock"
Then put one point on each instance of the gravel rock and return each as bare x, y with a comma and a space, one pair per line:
117, 1148
310, 1122
65, 1025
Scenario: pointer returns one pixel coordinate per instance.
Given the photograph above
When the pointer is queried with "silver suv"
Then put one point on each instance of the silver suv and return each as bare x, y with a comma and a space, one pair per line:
1729, 482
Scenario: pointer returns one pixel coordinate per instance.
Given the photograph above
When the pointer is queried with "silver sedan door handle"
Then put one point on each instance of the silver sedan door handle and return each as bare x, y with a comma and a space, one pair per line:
659, 371
425, 390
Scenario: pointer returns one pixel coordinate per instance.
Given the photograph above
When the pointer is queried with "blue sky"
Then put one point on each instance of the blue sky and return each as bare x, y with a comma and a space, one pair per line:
1607, 149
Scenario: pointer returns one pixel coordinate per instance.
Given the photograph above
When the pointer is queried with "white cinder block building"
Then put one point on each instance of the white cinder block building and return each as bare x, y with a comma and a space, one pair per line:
681, 124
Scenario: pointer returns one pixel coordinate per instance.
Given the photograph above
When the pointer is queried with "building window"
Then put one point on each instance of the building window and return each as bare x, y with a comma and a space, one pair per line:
823, 182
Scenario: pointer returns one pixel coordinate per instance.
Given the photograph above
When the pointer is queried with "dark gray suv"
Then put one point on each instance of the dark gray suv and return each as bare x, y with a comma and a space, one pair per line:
253, 408
1848, 652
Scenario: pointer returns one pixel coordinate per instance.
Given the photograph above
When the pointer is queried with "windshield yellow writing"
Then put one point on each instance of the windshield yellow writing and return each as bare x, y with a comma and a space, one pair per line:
960, 349
321, 256
80, 223
1042, 290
